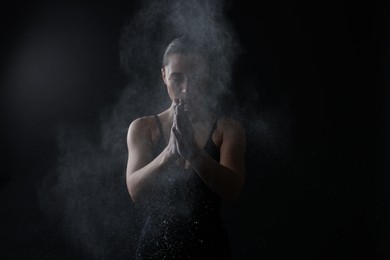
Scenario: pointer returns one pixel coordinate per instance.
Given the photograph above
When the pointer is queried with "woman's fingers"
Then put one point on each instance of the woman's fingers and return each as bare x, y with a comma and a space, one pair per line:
181, 118
180, 146
177, 135
175, 132
183, 131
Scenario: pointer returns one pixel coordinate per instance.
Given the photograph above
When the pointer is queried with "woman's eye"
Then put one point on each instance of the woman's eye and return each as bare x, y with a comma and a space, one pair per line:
177, 80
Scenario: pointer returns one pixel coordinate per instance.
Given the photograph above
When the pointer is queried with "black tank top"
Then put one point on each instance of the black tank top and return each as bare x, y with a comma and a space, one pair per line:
184, 218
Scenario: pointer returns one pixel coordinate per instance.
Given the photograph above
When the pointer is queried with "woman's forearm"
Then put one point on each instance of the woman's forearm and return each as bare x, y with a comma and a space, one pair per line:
222, 180
139, 181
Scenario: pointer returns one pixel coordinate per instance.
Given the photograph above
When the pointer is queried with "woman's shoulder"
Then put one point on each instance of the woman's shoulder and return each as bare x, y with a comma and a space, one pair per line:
230, 132
142, 124
231, 129
144, 120
229, 123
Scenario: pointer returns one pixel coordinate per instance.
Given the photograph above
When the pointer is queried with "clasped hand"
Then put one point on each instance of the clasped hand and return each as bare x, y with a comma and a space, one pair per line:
182, 138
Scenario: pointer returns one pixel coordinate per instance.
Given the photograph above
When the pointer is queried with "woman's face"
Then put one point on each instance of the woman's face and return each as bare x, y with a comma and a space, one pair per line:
187, 78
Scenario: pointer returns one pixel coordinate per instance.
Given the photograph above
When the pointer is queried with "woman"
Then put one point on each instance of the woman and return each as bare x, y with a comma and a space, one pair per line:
183, 161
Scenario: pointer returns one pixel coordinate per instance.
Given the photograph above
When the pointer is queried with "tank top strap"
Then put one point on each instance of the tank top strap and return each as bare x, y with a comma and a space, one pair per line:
210, 147
162, 137
213, 129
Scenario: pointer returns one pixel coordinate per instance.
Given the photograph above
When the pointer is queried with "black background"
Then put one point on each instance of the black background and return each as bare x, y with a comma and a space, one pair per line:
323, 197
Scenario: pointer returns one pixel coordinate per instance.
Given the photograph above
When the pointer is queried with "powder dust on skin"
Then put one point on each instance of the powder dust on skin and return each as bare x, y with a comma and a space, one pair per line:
86, 195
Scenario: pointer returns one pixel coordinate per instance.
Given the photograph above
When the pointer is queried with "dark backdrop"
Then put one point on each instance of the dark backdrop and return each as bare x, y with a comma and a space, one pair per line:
319, 196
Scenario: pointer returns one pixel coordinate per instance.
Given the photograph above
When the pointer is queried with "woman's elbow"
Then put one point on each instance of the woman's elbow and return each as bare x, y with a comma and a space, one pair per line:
133, 196
131, 189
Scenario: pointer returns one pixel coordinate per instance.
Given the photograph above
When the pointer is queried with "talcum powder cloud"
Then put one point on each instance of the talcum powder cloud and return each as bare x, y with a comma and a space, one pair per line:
86, 194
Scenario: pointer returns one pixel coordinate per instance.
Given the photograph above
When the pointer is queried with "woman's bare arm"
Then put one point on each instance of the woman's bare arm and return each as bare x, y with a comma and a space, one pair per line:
226, 177
142, 168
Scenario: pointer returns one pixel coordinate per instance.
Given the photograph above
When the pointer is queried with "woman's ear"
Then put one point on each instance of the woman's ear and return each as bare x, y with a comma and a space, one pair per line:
163, 74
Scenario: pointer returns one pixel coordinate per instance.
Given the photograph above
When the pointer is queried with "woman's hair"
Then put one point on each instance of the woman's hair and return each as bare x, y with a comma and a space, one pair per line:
183, 45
